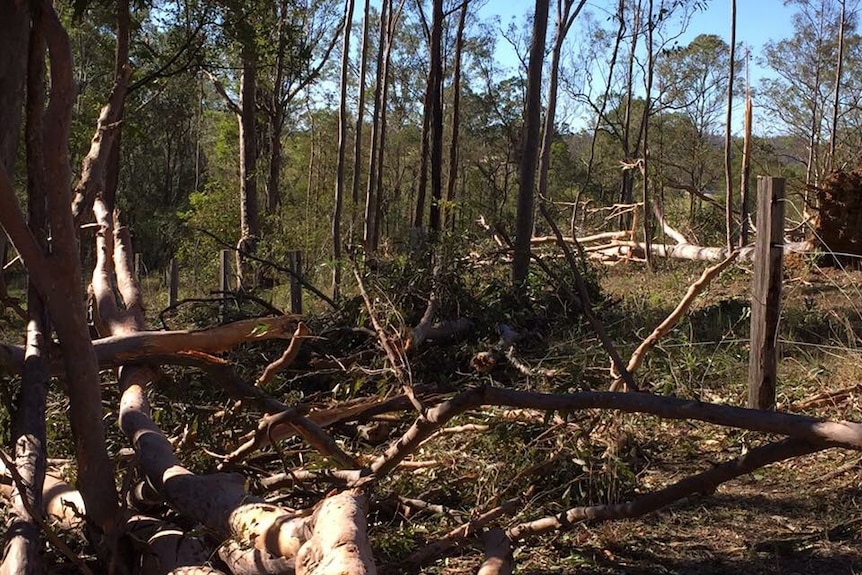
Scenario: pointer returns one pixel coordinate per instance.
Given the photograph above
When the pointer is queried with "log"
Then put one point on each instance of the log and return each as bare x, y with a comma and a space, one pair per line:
339, 545
115, 350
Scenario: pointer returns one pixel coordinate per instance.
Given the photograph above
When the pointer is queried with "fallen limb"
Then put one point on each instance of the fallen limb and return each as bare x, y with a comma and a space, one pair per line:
339, 544
498, 553
138, 346
705, 482
664, 327
692, 252
287, 357
164, 546
828, 433
244, 560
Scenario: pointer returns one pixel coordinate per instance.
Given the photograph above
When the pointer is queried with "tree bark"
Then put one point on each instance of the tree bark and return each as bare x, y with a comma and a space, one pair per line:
456, 117
342, 153
371, 198
435, 98
529, 150
836, 94
248, 204
360, 112
22, 553
728, 136
339, 544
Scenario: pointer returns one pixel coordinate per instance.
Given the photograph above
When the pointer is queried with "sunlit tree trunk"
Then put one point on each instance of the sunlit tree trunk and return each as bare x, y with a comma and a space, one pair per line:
836, 101
371, 198
360, 114
248, 205
627, 182
728, 136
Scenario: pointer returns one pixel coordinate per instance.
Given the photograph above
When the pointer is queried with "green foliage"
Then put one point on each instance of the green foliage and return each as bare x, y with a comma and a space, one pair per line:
214, 210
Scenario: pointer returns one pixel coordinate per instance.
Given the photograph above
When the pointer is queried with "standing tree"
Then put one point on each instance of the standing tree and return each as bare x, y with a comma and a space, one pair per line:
728, 136
529, 149
342, 153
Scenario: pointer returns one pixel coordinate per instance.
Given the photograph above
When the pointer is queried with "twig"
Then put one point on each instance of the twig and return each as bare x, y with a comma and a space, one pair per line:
396, 360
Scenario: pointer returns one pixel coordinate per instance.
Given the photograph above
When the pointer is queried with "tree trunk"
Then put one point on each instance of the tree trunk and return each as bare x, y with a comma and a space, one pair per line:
58, 276
276, 119
529, 149
360, 114
249, 216
836, 101
456, 118
645, 122
22, 552
342, 152
745, 184
728, 136
627, 181
371, 198
391, 23
435, 97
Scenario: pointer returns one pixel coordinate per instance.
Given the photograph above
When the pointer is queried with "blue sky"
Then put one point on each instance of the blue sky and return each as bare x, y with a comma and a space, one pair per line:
757, 21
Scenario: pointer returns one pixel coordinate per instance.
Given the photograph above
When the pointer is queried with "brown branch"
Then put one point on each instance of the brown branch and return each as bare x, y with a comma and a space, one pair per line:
705, 482
671, 320
395, 355
287, 357
460, 534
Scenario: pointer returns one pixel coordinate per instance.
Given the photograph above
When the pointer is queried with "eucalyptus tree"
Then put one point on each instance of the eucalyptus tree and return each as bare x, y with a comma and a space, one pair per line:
529, 149
804, 70
693, 84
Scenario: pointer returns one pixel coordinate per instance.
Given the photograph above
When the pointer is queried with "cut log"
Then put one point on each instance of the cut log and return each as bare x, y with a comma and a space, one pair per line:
340, 543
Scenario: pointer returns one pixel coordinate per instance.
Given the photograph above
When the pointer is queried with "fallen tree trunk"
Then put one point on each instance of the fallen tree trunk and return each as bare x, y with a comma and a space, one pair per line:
137, 346
620, 249
218, 501
339, 545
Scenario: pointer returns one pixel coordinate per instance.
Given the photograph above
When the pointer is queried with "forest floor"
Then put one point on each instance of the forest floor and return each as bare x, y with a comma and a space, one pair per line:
797, 517
801, 516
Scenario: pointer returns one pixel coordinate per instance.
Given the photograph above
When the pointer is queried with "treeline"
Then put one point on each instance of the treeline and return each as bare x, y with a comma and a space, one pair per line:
233, 120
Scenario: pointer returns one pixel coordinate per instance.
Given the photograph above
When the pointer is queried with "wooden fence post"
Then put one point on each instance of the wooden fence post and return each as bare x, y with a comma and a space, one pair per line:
173, 282
295, 264
224, 281
766, 293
